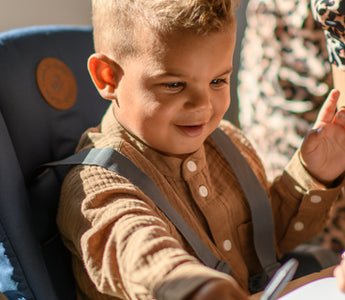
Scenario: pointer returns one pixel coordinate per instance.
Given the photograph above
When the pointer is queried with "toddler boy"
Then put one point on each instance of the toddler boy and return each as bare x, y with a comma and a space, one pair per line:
165, 66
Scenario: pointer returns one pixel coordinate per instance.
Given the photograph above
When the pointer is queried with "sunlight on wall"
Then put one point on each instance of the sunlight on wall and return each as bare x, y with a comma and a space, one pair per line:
19, 13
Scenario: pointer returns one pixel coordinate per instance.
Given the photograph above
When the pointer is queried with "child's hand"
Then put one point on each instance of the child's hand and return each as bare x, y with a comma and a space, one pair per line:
220, 290
323, 149
339, 273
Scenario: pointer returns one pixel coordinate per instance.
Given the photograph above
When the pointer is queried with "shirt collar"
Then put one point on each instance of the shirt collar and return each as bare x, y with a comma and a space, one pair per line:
168, 165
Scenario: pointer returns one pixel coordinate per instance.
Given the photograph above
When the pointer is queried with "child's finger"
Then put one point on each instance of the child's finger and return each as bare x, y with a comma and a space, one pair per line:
328, 109
339, 118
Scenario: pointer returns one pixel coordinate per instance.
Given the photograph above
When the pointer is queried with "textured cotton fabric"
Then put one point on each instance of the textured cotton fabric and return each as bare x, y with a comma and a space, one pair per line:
123, 246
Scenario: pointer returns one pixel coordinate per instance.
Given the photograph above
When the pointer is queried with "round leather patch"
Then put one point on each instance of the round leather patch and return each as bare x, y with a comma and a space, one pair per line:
56, 83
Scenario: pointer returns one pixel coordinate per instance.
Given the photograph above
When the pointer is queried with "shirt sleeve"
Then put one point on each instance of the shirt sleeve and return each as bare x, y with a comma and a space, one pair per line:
331, 16
302, 198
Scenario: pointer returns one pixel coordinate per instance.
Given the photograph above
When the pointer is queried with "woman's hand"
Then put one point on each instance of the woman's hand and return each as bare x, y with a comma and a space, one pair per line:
339, 274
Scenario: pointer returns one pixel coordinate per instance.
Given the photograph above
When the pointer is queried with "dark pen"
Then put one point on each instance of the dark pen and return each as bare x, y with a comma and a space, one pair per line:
280, 279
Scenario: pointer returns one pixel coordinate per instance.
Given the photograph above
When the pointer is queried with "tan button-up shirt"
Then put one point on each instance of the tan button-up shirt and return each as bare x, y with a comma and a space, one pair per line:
123, 246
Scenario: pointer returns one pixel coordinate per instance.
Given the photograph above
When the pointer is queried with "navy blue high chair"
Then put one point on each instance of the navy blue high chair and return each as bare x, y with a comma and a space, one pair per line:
33, 132
36, 128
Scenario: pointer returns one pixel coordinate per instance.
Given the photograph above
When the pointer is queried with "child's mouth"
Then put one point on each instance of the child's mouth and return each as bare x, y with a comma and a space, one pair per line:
191, 131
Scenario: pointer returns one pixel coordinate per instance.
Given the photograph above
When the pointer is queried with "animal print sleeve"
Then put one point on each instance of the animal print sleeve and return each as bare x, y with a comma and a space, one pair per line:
331, 15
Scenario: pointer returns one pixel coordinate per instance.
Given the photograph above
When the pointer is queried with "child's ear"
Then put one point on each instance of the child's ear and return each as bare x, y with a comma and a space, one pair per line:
105, 73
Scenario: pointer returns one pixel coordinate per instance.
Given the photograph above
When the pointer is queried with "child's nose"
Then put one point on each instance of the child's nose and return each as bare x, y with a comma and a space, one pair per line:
199, 100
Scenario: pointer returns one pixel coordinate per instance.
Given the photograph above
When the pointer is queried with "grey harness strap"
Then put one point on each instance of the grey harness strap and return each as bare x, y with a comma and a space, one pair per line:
256, 196
114, 161
254, 192
260, 208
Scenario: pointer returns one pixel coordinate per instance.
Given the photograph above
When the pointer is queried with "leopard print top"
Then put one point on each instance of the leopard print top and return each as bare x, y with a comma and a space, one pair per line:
331, 15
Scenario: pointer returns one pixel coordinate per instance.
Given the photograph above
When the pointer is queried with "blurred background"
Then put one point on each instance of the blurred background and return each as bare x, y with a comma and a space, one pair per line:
19, 13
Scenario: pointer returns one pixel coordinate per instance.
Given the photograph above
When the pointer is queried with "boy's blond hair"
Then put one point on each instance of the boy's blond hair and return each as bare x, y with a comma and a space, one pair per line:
116, 22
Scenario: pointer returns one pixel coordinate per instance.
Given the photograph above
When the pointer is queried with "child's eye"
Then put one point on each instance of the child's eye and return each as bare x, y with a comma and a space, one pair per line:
219, 82
174, 86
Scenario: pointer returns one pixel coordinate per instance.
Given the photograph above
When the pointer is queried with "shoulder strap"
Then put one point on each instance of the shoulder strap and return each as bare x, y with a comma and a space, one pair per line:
116, 162
254, 192
257, 199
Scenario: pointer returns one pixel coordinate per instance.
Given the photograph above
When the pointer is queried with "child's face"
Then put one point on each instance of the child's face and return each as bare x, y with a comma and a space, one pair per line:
173, 97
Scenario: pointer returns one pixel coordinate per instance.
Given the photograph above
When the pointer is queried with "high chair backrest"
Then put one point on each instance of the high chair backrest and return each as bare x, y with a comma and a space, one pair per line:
42, 71
45, 105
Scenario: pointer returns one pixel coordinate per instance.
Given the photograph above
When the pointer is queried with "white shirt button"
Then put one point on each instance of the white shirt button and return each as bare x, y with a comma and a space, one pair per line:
315, 199
227, 245
299, 226
203, 191
191, 166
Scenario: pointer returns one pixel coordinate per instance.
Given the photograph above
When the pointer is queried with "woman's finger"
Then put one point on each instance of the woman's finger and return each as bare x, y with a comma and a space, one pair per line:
340, 276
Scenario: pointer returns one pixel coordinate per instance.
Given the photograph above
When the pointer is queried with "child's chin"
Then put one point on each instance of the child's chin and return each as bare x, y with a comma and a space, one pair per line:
185, 151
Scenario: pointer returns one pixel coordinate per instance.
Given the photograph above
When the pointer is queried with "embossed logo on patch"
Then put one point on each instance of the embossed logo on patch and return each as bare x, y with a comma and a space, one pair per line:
56, 83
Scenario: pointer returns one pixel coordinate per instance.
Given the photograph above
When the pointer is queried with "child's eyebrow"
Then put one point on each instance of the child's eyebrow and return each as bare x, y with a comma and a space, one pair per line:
167, 74
228, 71
176, 74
